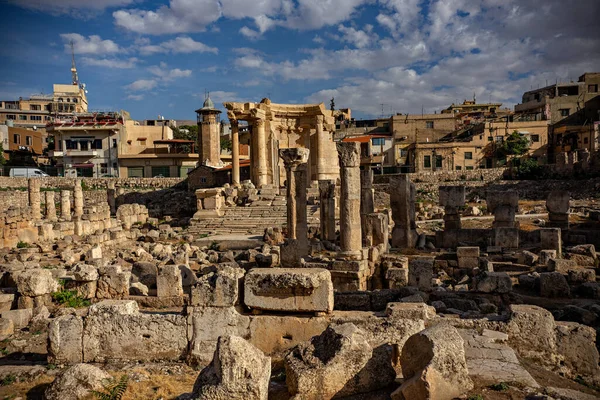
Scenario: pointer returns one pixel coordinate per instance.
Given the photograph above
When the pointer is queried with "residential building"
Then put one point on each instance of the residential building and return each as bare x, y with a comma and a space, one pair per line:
86, 144
22, 146
471, 112
562, 101
376, 151
148, 150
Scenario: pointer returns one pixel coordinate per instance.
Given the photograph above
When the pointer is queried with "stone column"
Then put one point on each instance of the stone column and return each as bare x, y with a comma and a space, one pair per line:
322, 157
77, 199
120, 199
402, 199
350, 225
327, 209
504, 206
50, 206
235, 153
111, 197
377, 228
65, 205
367, 198
35, 200
452, 198
558, 204
295, 167
261, 152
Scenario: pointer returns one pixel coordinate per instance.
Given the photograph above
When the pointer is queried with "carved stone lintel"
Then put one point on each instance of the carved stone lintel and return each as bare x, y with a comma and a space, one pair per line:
349, 154
294, 157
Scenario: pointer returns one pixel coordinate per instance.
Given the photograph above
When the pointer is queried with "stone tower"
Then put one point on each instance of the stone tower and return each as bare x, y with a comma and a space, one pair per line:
209, 140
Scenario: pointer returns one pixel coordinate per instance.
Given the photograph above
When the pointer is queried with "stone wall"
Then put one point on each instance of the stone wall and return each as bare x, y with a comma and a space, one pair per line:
17, 198
489, 175
93, 183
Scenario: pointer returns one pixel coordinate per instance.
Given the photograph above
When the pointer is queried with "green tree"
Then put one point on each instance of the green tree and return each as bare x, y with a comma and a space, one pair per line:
332, 104
225, 144
2, 159
514, 145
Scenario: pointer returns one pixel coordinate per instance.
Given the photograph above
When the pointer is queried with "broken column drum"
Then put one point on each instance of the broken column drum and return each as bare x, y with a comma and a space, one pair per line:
504, 206
452, 198
50, 213
35, 198
77, 199
65, 205
350, 225
558, 204
367, 198
327, 209
111, 197
402, 199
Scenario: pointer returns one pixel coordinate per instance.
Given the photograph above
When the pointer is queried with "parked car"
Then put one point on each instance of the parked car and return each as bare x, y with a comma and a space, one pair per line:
27, 172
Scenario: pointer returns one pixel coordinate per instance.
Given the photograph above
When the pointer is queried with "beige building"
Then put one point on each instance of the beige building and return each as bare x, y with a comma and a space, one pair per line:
478, 150
149, 150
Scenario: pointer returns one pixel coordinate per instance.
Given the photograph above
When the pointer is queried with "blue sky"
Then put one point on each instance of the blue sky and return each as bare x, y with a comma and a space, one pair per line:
158, 57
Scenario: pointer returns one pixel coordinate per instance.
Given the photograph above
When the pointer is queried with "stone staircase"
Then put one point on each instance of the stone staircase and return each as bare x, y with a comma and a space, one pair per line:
251, 219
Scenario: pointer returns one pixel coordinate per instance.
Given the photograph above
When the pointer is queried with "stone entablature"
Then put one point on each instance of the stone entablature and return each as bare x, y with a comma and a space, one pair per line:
279, 126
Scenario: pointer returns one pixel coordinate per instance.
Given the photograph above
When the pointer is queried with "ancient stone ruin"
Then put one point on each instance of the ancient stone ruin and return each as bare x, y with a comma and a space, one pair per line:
304, 283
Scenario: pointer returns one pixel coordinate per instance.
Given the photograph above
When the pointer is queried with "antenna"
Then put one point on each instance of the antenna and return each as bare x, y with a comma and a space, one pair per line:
74, 76
382, 109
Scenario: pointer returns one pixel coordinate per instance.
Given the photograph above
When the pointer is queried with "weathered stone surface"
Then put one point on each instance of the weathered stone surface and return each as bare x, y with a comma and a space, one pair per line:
283, 289
85, 273
116, 330
218, 289
206, 324
239, 371
36, 282
113, 282
527, 258
434, 365
554, 284
7, 328
493, 282
397, 277
551, 239
76, 382
576, 343
560, 265
65, 340
146, 273
138, 289
337, 363
169, 282
410, 311
531, 332
20, 318
420, 273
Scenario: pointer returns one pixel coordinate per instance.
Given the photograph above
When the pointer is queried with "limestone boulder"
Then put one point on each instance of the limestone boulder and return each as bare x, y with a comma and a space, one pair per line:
169, 282
434, 366
554, 284
218, 289
113, 282
65, 335
339, 362
493, 282
76, 382
145, 272
85, 273
36, 282
238, 371
576, 343
531, 332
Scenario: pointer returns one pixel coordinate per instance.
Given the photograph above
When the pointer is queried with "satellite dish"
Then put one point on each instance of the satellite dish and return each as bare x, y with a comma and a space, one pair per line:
35, 128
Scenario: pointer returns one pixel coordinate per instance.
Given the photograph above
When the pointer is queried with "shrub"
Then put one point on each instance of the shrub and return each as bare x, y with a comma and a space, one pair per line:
529, 169
500, 387
8, 380
476, 397
70, 298
113, 390
22, 245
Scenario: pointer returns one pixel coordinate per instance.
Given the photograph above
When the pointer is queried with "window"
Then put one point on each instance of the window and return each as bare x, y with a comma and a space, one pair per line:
60, 100
35, 117
564, 112
585, 140
469, 168
535, 138
16, 138
74, 100
114, 142
378, 141
426, 161
103, 168
135, 172
29, 140
429, 124
468, 155
11, 116
458, 167
46, 118
593, 88
22, 117
161, 171
438, 161
84, 145
70, 145
203, 180
36, 107
97, 144
499, 139
403, 153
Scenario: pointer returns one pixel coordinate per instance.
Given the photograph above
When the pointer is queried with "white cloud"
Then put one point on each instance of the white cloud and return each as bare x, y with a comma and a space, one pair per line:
136, 97
166, 74
357, 37
91, 45
110, 63
77, 8
142, 85
181, 44
196, 15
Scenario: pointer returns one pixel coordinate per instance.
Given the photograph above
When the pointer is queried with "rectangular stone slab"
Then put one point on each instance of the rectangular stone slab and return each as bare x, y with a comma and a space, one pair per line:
289, 289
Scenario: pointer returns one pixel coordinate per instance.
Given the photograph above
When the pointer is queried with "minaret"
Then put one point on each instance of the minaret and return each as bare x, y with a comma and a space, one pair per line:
209, 137
74, 76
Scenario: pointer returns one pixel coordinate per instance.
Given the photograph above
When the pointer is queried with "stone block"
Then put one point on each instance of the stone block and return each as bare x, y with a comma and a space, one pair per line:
469, 263
579, 276
420, 273
507, 238
77, 382
546, 256
560, 265
286, 289
36, 282
169, 282
95, 253
452, 196
6, 301
65, 340
20, 318
397, 277
467, 252
113, 282
7, 328
554, 284
527, 258
410, 311
493, 282
576, 343
218, 289
551, 239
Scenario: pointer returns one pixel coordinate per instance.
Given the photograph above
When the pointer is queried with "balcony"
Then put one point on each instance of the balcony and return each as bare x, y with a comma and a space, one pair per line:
56, 153
81, 153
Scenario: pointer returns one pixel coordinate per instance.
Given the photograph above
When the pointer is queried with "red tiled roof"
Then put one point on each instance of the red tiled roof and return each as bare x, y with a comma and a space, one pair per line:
364, 138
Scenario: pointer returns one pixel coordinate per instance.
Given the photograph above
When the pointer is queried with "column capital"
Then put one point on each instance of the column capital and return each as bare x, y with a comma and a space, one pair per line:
294, 157
348, 154
319, 119
234, 123
259, 122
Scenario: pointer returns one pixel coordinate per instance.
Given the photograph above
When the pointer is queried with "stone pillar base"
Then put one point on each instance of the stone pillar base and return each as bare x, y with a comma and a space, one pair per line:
207, 214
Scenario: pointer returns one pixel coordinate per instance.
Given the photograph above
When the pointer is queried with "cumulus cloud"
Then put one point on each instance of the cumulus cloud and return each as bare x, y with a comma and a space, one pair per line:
142, 85
91, 45
110, 63
181, 44
162, 71
76, 8
136, 97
